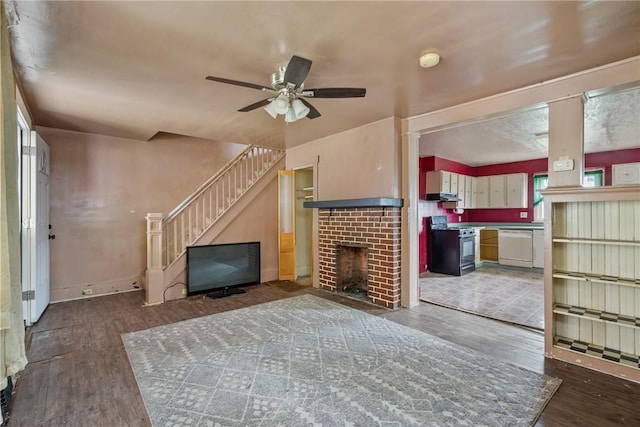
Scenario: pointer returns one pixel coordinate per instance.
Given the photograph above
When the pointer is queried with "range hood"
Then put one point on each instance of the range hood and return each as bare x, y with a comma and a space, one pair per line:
442, 197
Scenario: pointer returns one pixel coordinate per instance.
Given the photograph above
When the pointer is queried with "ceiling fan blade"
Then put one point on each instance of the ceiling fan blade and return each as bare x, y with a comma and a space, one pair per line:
313, 113
335, 92
239, 83
255, 105
297, 70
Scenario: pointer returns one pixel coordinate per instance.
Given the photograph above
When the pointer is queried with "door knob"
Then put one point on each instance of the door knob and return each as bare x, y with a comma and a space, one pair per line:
52, 236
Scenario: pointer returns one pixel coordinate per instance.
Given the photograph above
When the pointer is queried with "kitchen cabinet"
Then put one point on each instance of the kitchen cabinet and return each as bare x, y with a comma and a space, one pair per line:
517, 190
492, 191
464, 191
489, 245
453, 183
592, 279
439, 182
482, 192
497, 194
470, 191
460, 189
538, 248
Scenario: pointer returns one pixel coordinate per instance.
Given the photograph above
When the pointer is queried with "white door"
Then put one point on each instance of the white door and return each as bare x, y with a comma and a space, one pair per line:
35, 227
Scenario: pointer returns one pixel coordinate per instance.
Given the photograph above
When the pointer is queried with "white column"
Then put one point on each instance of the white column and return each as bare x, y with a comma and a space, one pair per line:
155, 274
566, 148
410, 228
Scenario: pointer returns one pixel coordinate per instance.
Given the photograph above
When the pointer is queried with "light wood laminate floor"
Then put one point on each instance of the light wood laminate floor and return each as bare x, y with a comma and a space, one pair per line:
79, 374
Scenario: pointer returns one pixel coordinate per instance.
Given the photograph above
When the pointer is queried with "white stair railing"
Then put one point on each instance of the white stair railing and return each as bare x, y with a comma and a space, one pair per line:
197, 213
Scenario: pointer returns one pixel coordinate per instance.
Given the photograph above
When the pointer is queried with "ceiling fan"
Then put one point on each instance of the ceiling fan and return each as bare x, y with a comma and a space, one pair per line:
288, 92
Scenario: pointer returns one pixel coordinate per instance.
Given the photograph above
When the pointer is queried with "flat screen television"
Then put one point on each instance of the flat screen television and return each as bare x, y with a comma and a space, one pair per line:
218, 269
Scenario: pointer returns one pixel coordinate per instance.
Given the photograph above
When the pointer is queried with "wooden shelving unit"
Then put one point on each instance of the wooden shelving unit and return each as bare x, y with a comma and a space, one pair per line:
306, 190
592, 278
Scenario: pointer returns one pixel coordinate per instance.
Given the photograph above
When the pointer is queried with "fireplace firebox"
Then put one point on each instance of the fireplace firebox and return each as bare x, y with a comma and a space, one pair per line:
352, 269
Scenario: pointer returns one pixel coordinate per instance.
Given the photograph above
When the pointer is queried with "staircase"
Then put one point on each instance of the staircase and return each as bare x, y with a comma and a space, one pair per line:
192, 218
168, 238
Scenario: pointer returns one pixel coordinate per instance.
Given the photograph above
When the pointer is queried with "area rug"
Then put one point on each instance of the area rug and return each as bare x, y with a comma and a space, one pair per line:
306, 361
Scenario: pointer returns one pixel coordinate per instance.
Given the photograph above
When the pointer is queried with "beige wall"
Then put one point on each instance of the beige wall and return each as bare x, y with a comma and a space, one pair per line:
355, 164
256, 222
101, 188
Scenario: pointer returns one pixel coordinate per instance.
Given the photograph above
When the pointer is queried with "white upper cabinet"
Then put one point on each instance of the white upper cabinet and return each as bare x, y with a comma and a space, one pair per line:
439, 182
517, 190
492, 191
497, 194
482, 192
469, 191
461, 183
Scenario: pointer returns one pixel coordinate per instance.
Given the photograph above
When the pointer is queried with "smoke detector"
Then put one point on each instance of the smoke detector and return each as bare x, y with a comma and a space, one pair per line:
429, 58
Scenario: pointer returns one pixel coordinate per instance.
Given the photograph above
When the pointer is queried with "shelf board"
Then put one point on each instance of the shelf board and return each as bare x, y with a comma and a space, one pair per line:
308, 197
597, 351
596, 241
597, 278
307, 189
597, 315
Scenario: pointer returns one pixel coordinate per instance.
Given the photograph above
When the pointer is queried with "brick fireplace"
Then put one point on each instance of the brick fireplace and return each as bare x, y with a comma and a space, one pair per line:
372, 235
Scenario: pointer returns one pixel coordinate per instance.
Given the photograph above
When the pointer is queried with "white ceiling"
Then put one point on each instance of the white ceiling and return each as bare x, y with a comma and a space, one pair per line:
134, 69
611, 122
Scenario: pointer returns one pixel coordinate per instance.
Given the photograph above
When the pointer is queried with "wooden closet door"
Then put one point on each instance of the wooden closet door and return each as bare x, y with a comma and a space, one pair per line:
286, 226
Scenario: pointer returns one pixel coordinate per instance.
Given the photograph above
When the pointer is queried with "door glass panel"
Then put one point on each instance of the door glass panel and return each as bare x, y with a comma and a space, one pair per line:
286, 207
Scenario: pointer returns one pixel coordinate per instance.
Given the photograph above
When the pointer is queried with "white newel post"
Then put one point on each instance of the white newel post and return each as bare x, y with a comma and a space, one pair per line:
155, 273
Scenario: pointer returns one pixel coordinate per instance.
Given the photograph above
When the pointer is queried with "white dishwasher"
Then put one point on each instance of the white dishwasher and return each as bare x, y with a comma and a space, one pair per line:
515, 247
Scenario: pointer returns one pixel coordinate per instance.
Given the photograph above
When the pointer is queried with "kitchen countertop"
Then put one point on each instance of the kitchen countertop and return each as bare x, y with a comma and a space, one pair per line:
503, 225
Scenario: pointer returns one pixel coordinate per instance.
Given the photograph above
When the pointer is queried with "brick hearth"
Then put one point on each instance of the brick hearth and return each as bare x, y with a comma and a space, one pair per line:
377, 229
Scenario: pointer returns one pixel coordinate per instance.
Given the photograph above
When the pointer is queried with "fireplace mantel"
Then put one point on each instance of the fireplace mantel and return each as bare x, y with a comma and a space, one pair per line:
375, 202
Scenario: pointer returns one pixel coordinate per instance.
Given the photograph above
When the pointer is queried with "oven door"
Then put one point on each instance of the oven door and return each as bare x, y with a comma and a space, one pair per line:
467, 250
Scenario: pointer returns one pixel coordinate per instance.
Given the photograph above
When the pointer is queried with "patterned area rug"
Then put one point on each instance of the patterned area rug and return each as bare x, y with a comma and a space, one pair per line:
306, 361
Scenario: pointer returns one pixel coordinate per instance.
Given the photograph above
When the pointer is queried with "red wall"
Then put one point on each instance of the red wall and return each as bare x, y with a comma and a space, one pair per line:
531, 167
428, 209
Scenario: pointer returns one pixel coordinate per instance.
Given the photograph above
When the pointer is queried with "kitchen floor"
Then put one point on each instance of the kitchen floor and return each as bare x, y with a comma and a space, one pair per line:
507, 294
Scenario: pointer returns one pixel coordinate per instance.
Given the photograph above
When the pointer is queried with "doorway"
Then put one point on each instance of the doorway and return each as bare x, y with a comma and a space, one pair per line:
295, 225
35, 231
304, 192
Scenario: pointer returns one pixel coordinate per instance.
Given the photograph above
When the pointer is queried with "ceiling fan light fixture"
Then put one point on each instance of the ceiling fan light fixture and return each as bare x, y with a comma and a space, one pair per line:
299, 109
429, 58
290, 116
271, 109
281, 104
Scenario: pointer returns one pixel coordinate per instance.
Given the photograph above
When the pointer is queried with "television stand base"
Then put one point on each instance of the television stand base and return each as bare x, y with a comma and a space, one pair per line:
226, 292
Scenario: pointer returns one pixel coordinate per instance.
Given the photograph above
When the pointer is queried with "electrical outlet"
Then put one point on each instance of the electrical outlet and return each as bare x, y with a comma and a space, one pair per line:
184, 292
87, 292
523, 214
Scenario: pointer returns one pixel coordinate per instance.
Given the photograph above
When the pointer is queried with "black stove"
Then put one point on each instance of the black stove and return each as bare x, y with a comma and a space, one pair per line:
450, 250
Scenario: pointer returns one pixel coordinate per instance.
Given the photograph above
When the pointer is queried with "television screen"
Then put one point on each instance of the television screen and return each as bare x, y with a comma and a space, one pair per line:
219, 267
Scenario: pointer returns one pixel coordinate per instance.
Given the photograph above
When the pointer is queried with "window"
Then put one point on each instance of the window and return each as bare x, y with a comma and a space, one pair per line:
592, 178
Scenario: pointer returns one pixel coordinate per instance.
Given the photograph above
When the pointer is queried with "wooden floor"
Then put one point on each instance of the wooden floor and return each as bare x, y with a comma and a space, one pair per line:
79, 374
